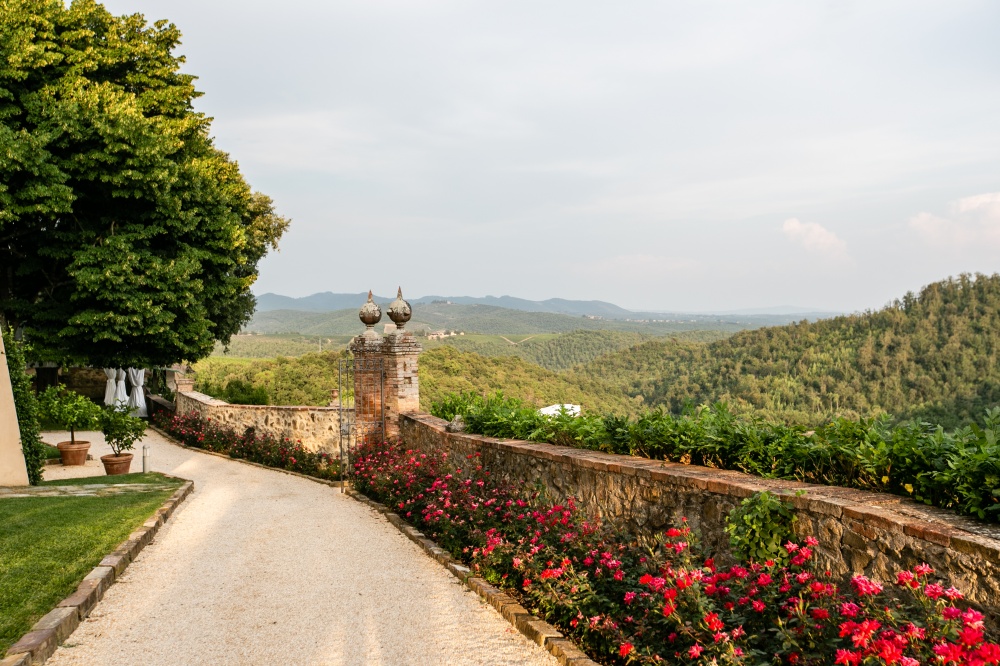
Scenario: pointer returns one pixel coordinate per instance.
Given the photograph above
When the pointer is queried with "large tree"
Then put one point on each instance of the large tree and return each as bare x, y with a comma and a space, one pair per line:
126, 237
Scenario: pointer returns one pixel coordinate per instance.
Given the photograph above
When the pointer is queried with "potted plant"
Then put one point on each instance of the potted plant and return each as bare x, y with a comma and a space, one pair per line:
121, 432
72, 412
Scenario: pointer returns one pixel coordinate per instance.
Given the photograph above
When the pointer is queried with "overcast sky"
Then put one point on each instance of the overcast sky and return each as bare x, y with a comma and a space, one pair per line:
658, 155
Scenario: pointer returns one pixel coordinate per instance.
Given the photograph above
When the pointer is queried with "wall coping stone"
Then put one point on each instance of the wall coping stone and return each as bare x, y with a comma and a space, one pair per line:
215, 402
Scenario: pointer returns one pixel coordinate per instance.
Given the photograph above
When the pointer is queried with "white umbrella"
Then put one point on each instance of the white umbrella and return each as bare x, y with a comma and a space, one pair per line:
121, 393
137, 401
109, 389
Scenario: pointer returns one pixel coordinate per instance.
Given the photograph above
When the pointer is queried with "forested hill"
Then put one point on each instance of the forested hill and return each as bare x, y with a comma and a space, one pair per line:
931, 356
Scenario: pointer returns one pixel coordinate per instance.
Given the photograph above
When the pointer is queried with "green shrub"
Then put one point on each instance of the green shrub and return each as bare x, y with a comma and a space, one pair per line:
69, 410
121, 429
957, 470
759, 527
26, 406
237, 392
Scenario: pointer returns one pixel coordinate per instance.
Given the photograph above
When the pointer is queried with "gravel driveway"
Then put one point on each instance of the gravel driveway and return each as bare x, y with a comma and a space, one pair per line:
260, 567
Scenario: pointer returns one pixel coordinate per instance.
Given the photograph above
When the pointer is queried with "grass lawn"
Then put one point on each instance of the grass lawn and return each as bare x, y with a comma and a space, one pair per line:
48, 544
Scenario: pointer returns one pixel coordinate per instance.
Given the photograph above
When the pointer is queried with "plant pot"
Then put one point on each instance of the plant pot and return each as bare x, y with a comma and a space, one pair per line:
117, 464
73, 454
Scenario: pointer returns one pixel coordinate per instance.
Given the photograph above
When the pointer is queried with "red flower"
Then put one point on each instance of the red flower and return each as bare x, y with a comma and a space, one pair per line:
625, 649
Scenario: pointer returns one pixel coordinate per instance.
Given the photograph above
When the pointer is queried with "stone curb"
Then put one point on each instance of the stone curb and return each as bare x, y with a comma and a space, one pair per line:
173, 440
535, 629
55, 627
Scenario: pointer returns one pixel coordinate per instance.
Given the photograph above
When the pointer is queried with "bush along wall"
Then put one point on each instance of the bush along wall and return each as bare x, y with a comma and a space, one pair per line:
281, 453
958, 470
26, 406
666, 601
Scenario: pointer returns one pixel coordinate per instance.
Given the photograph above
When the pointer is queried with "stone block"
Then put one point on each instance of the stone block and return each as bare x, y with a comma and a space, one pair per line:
973, 544
62, 621
563, 649
933, 532
39, 645
87, 594
20, 659
875, 517
539, 631
117, 560
104, 575
512, 612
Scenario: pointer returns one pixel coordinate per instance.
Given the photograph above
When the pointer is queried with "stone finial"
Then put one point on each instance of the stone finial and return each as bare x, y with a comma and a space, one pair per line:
399, 310
370, 314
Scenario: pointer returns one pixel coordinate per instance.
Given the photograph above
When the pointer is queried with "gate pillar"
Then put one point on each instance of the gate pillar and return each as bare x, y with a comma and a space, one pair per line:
366, 349
400, 350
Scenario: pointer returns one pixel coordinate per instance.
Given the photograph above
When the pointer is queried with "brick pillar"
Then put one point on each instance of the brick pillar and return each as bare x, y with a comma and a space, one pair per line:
400, 350
369, 391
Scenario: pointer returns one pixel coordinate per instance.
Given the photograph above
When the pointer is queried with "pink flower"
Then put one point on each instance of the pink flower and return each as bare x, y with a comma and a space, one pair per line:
973, 618
695, 650
865, 587
933, 591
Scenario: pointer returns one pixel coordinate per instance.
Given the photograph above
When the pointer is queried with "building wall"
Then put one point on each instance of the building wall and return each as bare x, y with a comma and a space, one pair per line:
318, 428
859, 532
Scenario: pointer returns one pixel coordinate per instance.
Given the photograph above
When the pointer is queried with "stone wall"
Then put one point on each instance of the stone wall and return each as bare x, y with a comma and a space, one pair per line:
859, 532
318, 428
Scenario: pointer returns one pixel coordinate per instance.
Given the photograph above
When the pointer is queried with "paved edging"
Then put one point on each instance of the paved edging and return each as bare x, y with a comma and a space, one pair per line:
55, 627
534, 628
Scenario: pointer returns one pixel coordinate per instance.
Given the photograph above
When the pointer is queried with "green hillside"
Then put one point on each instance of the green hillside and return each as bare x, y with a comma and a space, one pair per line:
932, 356
288, 344
560, 351
311, 378
492, 320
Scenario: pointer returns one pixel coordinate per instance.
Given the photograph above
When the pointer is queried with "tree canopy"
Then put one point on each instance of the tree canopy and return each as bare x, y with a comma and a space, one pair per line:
126, 236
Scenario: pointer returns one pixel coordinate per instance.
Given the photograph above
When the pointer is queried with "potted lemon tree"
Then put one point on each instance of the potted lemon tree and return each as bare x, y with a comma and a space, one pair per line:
72, 412
121, 432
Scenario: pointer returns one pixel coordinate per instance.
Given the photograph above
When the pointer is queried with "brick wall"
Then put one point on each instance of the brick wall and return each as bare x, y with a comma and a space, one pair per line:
859, 532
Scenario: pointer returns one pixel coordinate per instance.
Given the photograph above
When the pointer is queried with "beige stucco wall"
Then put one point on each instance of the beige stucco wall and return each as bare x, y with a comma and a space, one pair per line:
13, 471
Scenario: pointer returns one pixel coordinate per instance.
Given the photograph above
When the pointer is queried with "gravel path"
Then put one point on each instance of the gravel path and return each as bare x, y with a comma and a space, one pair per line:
260, 567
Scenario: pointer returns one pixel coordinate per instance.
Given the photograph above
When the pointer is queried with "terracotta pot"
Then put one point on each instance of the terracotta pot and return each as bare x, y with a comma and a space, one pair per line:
73, 454
117, 464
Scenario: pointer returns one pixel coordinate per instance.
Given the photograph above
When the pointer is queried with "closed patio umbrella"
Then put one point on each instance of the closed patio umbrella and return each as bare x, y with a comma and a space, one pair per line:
109, 388
137, 401
121, 393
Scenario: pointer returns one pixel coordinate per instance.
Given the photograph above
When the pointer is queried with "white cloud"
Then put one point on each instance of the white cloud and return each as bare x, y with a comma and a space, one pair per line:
971, 221
815, 238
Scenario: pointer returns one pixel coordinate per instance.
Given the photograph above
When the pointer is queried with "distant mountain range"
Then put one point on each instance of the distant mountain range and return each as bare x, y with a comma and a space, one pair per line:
330, 302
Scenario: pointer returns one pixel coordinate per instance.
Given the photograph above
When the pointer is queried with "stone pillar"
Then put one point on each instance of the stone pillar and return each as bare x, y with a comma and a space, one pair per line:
13, 470
369, 388
402, 389
400, 352
183, 384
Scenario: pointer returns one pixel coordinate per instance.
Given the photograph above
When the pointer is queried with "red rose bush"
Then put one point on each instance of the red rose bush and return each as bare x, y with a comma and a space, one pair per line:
661, 601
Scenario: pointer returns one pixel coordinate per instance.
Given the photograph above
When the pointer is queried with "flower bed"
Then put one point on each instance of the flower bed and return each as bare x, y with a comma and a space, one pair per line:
958, 470
282, 453
664, 601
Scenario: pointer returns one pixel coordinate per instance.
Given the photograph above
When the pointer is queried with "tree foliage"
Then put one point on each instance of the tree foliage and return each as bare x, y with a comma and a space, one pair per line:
126, 237
932, 356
